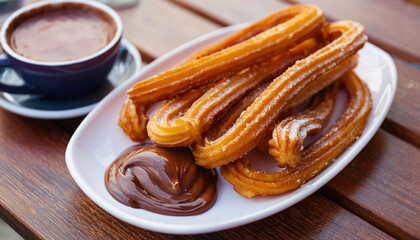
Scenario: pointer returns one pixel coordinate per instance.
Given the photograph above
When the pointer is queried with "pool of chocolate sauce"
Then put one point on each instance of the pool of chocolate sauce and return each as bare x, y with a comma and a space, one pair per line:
161, 180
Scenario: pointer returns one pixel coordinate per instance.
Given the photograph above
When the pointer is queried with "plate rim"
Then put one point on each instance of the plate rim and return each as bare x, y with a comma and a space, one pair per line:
73, 112
317, 182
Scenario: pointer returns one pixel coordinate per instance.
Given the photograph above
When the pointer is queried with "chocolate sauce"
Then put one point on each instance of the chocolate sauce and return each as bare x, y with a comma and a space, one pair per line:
161, 180
61, 32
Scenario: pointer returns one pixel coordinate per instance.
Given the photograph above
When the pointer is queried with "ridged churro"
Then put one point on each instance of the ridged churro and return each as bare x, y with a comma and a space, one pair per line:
266, 38
282, 93
133, 121
345, 130
286, 144
303, 21
232, 96
166, 131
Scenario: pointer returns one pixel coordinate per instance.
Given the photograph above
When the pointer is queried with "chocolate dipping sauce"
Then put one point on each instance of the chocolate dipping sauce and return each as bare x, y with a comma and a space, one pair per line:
161, 180
65, 32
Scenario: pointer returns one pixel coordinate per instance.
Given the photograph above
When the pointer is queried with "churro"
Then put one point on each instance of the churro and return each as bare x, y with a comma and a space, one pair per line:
303, 21
345, 130
133, 121
286, 144
266, 38
200, 114
283, 93
230, 97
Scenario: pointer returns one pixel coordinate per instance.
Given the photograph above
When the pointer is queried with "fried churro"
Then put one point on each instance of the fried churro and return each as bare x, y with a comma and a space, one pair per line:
266, 38
345, 130
201, 113
286, 144
284, 92
229, 97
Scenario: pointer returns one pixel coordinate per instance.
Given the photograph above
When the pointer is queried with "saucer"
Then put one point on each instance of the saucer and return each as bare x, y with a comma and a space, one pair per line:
38, 106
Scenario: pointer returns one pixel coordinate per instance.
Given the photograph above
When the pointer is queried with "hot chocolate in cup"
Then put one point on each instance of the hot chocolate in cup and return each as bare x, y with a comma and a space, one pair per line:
61, 48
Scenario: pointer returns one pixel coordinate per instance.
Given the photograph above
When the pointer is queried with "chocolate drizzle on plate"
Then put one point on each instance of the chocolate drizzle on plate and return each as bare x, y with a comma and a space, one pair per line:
161, 180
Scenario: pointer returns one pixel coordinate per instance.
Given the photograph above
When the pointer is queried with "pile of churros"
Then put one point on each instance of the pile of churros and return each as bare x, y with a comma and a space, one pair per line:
240, 93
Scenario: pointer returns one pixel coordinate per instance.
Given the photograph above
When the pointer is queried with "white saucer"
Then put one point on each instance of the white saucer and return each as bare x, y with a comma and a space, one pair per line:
37, 106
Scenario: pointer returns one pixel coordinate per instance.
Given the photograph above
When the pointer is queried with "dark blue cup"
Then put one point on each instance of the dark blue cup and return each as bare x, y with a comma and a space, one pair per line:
63, 79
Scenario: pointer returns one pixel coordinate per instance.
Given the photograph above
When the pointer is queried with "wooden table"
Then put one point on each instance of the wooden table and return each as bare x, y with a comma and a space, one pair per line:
377, 196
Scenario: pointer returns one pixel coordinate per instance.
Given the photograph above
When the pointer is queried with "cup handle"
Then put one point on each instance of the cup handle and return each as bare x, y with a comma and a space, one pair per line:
4, 63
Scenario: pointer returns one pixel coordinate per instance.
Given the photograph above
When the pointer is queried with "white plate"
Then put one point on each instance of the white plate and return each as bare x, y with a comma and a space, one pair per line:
37, 106
98, 141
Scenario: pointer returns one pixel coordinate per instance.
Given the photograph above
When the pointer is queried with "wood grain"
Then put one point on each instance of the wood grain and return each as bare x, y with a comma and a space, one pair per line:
40, 200
403, 118
313, 218
231, 12
382, 185
156, 26
392, 25
37, 190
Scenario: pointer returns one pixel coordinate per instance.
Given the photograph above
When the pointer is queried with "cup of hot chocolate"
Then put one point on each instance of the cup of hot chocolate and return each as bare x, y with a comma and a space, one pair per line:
60, 48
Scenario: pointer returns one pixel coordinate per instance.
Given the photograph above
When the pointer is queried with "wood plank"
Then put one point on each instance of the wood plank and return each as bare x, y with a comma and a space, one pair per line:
382, 185
40, 200
70, 125
157, 26
313, 218
231, 12
37, 195
403, 118
392, 25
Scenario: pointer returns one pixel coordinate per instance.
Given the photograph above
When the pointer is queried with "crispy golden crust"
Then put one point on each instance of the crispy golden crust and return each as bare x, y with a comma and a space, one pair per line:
304, 21
239, 72
254, 29
286, 91
132, 121
201, 113
164, 128
249, 182
224, 124
286, 144
256, 43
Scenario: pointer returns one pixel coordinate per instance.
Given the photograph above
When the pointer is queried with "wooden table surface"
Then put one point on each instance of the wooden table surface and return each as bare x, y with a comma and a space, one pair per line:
377, 196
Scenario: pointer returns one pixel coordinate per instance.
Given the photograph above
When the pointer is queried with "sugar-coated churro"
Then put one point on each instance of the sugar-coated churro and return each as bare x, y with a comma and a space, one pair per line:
232, 96
345, 130
282, 94
286, 144
200, 114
